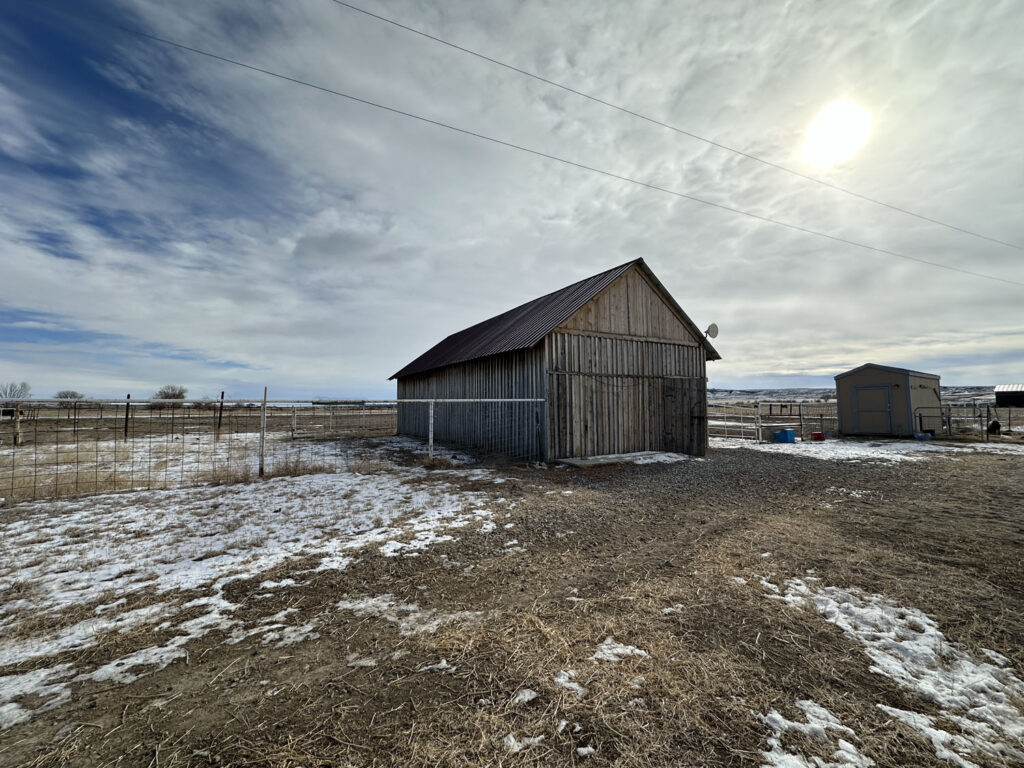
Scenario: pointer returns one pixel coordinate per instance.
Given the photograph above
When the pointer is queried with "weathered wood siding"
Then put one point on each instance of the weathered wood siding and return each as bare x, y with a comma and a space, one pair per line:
620, 395
513, 429
626, 374
630, 306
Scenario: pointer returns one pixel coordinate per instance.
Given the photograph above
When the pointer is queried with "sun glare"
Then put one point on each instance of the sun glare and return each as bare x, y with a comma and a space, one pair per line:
839, 130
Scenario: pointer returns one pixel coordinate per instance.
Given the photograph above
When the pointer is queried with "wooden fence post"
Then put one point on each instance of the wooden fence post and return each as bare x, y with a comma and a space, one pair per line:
263, 428
127, 410
17, 425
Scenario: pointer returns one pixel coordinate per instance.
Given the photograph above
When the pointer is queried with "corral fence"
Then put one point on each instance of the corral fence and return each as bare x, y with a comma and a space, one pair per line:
758, 421
973, 420
736, 421
52, 449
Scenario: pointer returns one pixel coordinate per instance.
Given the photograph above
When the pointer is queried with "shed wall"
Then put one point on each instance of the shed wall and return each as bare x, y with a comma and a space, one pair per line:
861, 394
924, 394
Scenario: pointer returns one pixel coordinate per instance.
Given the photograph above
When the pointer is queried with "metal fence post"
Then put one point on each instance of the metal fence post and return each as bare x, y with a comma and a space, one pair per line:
127, 409
263, 428
430, 429
220, 417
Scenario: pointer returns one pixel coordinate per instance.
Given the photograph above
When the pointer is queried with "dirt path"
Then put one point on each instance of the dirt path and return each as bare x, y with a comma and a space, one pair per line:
480, 650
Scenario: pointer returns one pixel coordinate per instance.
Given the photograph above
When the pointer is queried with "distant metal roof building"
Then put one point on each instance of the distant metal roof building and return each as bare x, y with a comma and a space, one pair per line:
525, 326
1010, 396
888, 368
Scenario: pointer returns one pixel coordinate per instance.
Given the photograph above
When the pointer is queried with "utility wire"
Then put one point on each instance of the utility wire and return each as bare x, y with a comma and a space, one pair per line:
669, 126
536, 152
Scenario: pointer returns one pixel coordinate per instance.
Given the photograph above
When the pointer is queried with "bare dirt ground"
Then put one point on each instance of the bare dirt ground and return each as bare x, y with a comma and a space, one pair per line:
619, 615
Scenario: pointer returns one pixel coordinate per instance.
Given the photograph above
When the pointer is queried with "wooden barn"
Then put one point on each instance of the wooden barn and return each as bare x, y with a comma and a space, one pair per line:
614, 363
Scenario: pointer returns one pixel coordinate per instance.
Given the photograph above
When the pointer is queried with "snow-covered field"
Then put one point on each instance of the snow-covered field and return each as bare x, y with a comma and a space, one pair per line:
888, 451
93, 558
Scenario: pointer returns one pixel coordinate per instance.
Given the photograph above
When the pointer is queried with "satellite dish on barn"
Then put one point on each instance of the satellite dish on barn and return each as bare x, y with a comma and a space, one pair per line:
712, 331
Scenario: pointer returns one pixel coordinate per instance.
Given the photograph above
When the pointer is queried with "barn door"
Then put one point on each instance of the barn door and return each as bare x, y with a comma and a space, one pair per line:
685, 414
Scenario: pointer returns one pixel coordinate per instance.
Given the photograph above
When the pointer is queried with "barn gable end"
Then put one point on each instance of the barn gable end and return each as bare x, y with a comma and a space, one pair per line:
633, 306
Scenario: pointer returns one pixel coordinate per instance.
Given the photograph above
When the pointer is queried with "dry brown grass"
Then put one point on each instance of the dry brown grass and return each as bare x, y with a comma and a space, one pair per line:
721, 656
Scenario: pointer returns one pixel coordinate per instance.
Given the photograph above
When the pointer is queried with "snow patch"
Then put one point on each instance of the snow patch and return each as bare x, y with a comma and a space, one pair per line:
566, 679
907, 646
525, 696
887, 452
821, 725
38, 682
409, 617
514, 745
611, 651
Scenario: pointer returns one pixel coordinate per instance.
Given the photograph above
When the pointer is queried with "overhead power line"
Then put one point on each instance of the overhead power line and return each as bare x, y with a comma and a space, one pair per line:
535, 152
676, 129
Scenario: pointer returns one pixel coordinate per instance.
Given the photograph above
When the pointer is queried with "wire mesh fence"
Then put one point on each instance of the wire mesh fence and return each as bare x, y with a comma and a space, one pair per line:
50, 449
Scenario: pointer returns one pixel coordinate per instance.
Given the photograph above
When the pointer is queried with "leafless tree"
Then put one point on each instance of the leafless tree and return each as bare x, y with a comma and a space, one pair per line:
67, 397
170, 392
13, 390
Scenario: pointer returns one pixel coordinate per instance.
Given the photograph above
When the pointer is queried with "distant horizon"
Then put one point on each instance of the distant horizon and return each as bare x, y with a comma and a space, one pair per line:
307, 397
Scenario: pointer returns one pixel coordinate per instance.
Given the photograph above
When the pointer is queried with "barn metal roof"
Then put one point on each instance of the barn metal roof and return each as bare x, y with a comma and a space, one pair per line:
888, 368
526, 325
1010, 388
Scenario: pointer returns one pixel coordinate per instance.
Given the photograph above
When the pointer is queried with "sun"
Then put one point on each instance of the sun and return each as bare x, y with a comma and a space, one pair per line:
839, 130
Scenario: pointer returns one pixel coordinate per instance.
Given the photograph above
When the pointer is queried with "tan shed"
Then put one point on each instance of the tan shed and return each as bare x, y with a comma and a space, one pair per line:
615, 364
881, 400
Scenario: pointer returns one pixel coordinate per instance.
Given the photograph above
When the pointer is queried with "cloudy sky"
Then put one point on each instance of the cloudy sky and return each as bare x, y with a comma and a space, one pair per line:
169, 218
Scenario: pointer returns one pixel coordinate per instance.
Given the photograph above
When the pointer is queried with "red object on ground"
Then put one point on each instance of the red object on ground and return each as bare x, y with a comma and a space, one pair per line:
817, 435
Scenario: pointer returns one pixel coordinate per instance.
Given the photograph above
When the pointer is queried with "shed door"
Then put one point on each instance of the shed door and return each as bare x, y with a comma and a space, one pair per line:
686, 423
872, 410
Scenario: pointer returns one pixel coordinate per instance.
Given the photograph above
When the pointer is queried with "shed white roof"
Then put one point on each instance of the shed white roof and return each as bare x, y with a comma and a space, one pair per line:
889, 368
1010, 388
